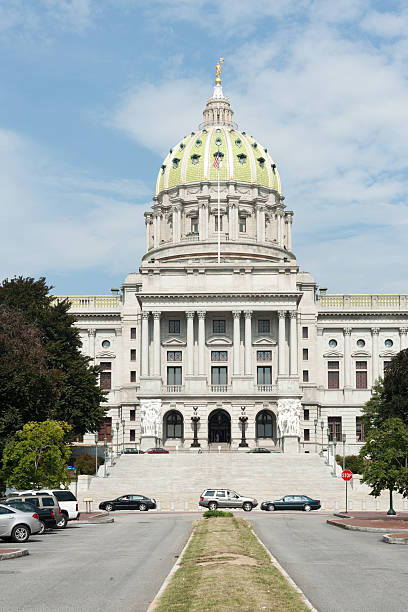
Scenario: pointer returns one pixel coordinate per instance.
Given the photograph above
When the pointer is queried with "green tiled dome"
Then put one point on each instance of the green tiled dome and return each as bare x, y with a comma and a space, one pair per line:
243, 159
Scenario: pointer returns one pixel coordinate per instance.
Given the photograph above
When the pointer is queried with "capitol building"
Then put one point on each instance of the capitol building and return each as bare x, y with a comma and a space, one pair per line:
220, 340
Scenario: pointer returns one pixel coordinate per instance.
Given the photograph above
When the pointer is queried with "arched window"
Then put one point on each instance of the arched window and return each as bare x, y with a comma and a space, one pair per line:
174, 425
264, 424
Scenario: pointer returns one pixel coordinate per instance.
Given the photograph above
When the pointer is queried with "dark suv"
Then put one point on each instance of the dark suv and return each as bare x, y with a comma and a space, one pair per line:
226, 498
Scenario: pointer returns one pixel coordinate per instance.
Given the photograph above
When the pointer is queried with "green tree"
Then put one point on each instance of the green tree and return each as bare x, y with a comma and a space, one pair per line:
38, 455
387, 452
77, 398
85, 463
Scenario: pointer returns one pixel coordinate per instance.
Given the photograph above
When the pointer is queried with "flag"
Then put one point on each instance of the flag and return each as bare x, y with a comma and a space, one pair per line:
217, 161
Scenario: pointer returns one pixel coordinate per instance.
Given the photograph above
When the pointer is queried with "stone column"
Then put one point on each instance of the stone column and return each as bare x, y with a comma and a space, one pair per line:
201, 342
248, 342
293, 347
281, 343
232, 221
144, 357
148, 221
156, 343
190, 342
260, 223
403, 337
178, 224
278, 229
236, 341
289, 238
200, 221
374, 334
91, 337
347, 357
258, 219
174, 212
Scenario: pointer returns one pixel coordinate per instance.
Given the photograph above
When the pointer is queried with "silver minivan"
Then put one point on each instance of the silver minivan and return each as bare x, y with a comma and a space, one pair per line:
226, 498
18, 525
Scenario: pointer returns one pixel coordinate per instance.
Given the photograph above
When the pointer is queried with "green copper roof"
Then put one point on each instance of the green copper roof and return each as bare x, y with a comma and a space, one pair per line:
243, 159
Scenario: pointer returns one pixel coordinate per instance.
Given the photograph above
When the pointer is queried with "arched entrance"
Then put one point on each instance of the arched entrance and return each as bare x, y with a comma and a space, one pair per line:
219, 427
173, 425
265, 425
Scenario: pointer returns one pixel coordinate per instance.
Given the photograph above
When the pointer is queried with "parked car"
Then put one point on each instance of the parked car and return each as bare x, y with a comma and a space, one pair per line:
17, 525
260, 449
67, 501
157, 451
226, 498
45, 515
133, 451
292, 502
129, 502
42, 501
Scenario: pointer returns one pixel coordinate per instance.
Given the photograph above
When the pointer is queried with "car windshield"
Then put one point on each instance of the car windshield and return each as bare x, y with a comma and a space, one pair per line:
64, 496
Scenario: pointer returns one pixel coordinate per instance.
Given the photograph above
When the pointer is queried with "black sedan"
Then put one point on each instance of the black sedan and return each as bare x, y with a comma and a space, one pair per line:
46, 515
129, 502
260, 449
292, 502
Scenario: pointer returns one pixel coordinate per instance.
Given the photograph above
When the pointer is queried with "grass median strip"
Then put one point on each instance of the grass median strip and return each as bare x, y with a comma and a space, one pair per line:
226, 568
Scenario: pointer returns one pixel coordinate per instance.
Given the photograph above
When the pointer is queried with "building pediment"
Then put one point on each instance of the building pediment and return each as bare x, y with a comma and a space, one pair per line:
388, 353
219, 340
105, 354
264, 342
361, 354
333, 354
174, 342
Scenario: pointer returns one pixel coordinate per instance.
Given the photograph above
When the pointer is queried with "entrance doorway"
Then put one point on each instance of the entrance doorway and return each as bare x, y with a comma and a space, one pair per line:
219, 427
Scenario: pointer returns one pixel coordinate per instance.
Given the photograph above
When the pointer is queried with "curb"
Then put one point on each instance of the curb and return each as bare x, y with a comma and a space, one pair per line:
389, 539
153, 604
285, 574
13, 553
357, 528
96, 521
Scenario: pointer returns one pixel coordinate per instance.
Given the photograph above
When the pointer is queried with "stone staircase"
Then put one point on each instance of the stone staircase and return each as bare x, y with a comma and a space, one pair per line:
177, 480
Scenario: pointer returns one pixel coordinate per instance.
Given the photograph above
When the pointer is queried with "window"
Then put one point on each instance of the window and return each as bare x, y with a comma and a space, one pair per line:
386, 365
174, 425
174, 375
242, 225
264, 355
359, 430
332, 343
105, 377
219, 375
360, 343
361, 375
305, 375
132, 354
174, 326
264, 326
133, 333
132, 415
105, 430
219, 326
132, 375
305, 354
242, 158
216, 223
388, 343
305, 332
219, 355
105, 343
334, 424
264, 375
306, 414
132, 435
264, 424
306, 435
194, 225
333, 378
174, 356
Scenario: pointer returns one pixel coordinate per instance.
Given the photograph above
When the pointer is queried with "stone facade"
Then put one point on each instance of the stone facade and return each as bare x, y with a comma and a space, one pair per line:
219, 323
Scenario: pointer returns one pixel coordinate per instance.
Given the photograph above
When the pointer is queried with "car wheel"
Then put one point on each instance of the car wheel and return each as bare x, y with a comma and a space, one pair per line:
307, 508
142, 507
271, 508
109, 507
212, 506
42, 525
247, 506
20, 534
62, 522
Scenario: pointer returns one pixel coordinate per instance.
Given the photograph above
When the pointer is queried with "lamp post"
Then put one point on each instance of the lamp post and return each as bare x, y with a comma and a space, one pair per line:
96, 453
117, 438
334, 456
328, 446
315, 426
112, 436
344, 451
105, 454
391, 511
123, 436
195, 420
243, 419
322, 428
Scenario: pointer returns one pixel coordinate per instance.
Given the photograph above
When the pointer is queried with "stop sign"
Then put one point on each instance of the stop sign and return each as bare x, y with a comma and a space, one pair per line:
346, 475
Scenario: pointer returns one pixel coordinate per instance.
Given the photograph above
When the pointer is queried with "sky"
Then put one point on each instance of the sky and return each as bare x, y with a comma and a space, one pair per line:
94, 93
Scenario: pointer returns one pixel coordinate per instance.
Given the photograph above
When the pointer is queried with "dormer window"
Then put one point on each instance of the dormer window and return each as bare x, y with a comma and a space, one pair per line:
218, 142
182, 145
195, 158
238, 142
171, 150
218, 131
192, 133
242, 158
163, 168
254, 144
176, 162
261, 161
204, 131
198, 143
219, 154
273, 166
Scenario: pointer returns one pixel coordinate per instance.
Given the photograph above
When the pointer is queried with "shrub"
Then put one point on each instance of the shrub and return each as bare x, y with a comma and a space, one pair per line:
85, 463
354, 463
216, 513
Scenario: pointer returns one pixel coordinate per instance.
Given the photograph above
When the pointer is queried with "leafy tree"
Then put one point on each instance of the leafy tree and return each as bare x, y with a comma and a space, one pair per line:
38, 456
354, 463
387, 451
374, 408
76, 396
85, 463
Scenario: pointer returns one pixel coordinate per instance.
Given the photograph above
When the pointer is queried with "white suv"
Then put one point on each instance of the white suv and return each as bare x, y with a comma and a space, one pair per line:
66, 500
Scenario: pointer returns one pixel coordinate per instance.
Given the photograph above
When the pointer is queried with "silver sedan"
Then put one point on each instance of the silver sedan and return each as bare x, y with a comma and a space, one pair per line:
18, 525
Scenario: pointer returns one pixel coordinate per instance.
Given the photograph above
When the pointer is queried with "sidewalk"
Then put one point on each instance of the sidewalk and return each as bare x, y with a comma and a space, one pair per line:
396, 527
93, 518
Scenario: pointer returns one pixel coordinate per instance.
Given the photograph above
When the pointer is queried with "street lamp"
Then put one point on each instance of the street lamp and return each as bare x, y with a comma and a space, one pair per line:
334, 456
243, 419
123, 436
96, 453
195, 420
315, 426
322, 427
112, 436
328, 446
344, 451
117, 438
105, 454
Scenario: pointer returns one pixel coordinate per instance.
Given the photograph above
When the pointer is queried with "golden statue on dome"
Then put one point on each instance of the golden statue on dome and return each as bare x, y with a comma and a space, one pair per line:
218, 67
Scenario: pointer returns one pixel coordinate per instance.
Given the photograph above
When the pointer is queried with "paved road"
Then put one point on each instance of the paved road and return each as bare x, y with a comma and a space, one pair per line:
338, 570
114, 567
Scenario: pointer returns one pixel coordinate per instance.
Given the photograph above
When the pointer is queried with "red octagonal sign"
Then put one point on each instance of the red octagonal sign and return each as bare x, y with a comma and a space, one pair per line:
346, 475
